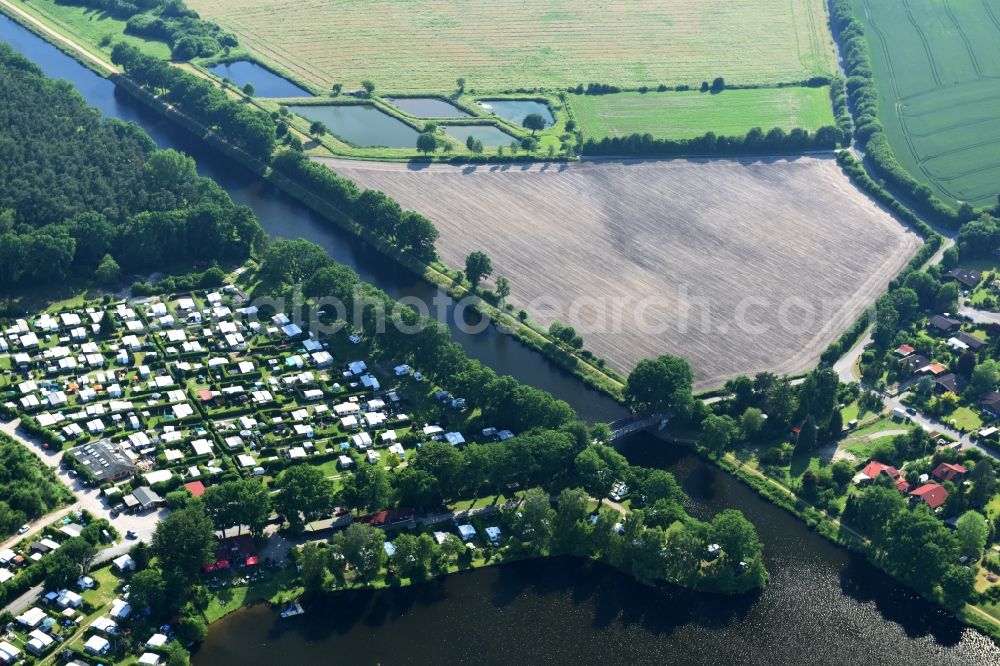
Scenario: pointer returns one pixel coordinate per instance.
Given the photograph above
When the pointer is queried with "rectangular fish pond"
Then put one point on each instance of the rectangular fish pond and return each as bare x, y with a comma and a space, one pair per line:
361, 125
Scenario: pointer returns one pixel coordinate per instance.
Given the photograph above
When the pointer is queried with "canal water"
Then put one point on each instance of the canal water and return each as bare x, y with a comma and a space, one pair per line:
822, 606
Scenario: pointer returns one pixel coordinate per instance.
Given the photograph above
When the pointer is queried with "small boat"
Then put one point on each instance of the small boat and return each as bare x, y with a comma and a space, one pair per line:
292, 610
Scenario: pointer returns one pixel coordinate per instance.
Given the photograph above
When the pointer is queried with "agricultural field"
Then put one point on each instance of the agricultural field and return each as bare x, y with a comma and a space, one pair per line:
411, 45
938, 70
94, 27
736, 265
685, 115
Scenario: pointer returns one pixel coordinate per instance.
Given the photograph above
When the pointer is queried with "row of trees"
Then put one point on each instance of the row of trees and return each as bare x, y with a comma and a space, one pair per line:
863, 94
240, 124
381, 215
755, 142
168, 20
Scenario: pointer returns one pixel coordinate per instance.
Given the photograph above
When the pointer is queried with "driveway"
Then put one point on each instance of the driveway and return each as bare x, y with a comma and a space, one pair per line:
86, 497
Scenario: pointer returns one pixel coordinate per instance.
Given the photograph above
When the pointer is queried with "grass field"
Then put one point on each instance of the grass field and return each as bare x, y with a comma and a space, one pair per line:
421, 45
937, 66
94, 26
738, 266
683, 115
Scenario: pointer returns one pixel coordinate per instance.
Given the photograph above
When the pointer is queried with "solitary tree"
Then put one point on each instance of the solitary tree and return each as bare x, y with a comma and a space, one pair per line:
658, 385
460, 82
477, 266
336, 89
248, 89
368, 86
503, 288
108, 272
427, 142
317, 128
534, 122
718, 84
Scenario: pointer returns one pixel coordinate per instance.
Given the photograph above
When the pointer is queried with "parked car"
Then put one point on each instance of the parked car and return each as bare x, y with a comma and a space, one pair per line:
130, 535
24, 528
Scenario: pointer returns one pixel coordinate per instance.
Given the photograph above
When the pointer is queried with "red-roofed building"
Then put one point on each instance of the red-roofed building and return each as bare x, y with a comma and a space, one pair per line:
949, 472
905, 350
931, 494
902, 485
196, 488
874, 468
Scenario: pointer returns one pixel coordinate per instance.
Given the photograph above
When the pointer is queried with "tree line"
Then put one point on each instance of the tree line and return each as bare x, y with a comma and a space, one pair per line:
755, 142
380, 215
171, 21
81, 195
28, 490
239, 123
863, 94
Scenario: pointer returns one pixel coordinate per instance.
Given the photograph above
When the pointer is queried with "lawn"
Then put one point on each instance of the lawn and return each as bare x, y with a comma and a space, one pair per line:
411, 45
93, 26
683, 115
966, 419
938, 72
277, 587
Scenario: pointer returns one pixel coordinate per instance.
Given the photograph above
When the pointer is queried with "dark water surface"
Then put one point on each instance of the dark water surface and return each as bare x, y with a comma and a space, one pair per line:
283, 216
361, 124
265, 82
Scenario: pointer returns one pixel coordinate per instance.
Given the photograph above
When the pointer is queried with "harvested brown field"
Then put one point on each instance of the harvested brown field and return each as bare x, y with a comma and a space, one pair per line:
736, 265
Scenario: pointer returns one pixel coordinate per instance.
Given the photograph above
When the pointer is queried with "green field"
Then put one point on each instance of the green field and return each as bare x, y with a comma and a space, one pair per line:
937, 67
94, 26
683, 115
424, 45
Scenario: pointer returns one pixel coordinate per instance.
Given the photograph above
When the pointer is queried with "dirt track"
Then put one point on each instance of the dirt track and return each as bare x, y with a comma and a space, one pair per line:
736, 265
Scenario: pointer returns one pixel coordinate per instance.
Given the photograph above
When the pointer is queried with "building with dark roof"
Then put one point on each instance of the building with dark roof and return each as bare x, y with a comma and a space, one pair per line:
950, 382
104, 461
967, 277
943, 324
990, 403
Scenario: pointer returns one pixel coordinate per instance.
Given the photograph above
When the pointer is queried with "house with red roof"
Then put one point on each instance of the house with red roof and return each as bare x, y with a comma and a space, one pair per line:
196, 488
949, 472
874, 468
931, 494
904, 350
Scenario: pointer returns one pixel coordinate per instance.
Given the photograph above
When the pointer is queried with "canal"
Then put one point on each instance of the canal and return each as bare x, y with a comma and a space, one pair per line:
823, 604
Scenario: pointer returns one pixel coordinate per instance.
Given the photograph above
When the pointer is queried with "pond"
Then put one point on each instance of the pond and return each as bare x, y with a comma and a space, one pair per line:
265, 82
427, 107
489, 135
515, 110
361, 125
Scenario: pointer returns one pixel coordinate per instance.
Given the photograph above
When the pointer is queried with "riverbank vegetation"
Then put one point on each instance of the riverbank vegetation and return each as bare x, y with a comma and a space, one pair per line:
921, 509
89, 197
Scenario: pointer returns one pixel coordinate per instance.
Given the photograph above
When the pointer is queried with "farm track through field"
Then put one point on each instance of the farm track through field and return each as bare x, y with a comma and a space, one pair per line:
993, 16
924, 42
965, 39
736, 265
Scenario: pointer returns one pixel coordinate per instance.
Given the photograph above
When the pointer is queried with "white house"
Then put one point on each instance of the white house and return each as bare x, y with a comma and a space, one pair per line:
124, 563
97, 645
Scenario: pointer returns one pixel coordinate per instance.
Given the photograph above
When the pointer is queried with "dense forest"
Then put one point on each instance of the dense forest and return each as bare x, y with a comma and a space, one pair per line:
28, 490
80, 194
168, 20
